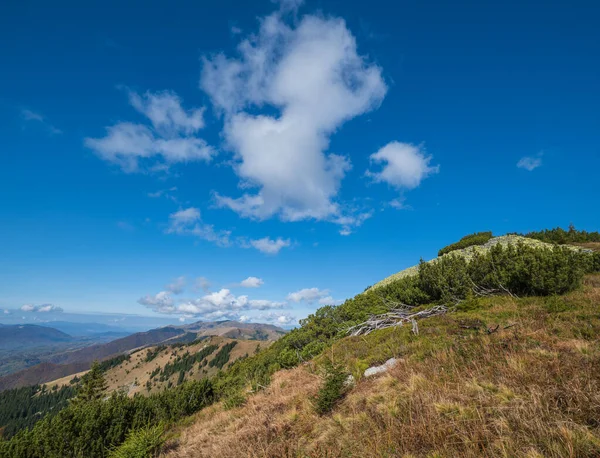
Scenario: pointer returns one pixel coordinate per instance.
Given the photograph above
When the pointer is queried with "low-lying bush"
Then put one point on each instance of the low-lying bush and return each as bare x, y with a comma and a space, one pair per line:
333, 389
478, 238
141, 443
560, 236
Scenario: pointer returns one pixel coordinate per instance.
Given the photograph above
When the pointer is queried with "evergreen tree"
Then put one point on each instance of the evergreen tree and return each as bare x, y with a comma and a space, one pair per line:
93, 385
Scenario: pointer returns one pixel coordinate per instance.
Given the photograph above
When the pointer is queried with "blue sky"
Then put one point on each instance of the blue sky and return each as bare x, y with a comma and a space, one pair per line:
286, 154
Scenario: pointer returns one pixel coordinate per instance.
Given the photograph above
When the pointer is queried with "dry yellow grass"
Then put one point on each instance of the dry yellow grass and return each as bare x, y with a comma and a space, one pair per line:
131, 376
64, 380
531, 390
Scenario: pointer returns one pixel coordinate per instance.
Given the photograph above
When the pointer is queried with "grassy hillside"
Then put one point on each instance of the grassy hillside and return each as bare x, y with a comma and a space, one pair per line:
500, 377
154, 369
508, 368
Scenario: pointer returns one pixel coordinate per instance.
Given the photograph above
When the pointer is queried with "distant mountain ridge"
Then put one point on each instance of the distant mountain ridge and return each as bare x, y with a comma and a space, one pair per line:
71, 362
86, 329
27, 335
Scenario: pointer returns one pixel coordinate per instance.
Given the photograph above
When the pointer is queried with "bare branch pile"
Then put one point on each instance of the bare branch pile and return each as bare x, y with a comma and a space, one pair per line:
396, 317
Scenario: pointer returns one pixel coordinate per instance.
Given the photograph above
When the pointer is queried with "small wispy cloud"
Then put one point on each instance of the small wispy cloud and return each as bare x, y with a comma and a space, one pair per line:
202, 283
166, 193
399, 203
251, 282
530, 163
43, 308
189, 222
32, 116
177, 286
270, 246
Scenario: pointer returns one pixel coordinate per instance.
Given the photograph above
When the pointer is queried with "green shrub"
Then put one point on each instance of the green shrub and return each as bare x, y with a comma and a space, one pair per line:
234, 400
518, 269
333, 389
222, 356
21, 408
478, 238
560, 236
93, 428
141, 443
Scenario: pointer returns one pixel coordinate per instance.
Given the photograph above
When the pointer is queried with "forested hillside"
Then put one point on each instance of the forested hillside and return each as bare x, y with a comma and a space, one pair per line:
495, 354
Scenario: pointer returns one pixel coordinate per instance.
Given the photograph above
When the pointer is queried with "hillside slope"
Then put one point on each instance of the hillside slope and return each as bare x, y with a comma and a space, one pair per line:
156, 368
499, 377
67, 363
497, 355
469, 252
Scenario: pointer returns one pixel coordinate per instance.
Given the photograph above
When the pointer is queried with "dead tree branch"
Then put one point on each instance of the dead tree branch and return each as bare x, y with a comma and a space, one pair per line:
396, 317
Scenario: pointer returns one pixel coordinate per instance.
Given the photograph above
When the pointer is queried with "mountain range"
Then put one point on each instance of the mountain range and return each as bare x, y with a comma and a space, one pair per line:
67, 361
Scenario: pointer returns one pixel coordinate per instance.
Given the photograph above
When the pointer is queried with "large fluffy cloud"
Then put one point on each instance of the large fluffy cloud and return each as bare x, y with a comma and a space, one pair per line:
312, 76
170, 138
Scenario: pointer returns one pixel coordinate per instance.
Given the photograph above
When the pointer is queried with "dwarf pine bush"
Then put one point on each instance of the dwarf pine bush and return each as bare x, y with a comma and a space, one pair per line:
478, 238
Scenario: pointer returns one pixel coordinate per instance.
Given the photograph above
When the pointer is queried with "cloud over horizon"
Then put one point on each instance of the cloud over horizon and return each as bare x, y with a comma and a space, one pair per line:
43, 308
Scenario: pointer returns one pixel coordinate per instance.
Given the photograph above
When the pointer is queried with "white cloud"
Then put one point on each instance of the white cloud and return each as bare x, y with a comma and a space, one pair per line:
270, 246
161, 302
43, 308
184, 217
530, 163
177, 286
265, 304
399, 204
352, 220
403, 165
252, 282
6, 312
188, 222
328, 300
216, 305
281, 319
314, 77
309, 295
171, 138
166, 114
